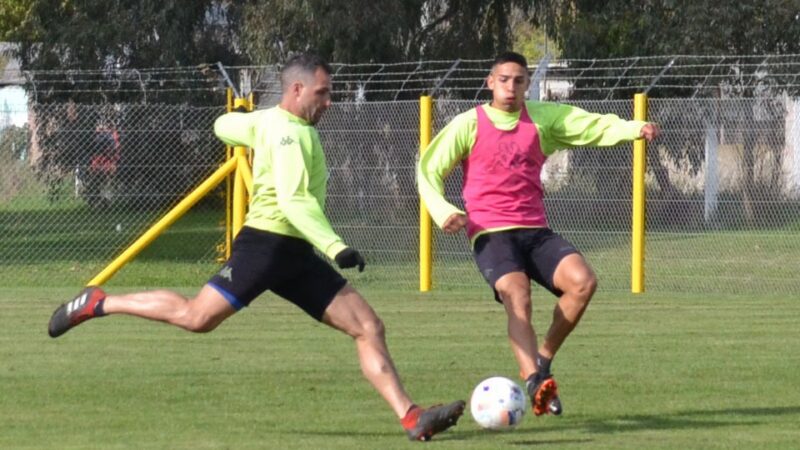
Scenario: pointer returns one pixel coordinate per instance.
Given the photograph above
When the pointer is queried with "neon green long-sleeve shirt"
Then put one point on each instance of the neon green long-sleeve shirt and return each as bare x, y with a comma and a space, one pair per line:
290, 175
559, 126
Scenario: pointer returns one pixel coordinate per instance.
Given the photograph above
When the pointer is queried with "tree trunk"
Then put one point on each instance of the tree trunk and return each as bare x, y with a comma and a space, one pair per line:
748, 169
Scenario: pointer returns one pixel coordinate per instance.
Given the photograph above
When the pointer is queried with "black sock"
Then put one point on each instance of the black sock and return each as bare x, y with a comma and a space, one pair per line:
543, 364
98, 308
531, 382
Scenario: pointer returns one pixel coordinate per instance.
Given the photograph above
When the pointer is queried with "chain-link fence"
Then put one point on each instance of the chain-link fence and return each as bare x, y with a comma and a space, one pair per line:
81, 181
723, 189
723, 195
372, 202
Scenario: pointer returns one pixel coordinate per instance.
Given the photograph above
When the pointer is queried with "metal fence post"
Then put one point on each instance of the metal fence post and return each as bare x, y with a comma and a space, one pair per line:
425, 235
239, 186
226, 252
639, 166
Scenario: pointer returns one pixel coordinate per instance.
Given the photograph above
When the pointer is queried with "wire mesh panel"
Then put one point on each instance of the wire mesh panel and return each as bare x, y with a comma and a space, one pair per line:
453, 265
83, 181
371, 151
589, 200
723, 198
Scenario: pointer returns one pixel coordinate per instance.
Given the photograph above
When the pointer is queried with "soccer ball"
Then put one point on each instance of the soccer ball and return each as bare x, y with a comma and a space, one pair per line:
497, 403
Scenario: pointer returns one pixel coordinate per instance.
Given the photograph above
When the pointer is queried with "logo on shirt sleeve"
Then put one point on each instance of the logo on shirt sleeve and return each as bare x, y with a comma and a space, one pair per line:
287, 140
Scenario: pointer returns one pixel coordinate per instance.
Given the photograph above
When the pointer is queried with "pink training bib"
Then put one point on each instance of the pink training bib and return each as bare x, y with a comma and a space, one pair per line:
502, 185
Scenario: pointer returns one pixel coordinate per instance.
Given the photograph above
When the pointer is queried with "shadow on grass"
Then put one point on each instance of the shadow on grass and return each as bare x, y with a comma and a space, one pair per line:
453, 435
80, 233
525, 436
680, 420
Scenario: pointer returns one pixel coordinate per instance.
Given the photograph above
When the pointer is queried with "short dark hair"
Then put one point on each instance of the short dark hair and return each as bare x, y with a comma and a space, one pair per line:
507, 57
302, 63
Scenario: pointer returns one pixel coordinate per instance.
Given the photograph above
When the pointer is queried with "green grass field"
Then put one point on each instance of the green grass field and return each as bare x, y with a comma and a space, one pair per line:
36, 249
660, 370
650, 371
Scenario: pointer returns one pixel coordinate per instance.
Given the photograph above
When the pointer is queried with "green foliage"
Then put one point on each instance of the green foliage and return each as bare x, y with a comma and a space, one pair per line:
615, 28
366, 31
15, 20
13, 143
93, 34
470, 29
146, 33
352, 31
532, 42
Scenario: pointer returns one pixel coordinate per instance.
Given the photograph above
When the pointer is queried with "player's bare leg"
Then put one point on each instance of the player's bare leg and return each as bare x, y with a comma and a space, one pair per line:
350, 313
201, 314
577, 281
514, 290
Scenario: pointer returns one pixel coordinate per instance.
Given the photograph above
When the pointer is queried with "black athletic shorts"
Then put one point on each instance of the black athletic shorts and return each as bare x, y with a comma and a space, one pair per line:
535, 251
288, 266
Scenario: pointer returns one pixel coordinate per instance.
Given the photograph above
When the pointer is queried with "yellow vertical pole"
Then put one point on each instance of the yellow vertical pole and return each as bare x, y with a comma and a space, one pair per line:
251, 105
228, 188
239, 188
425, 234
638, 226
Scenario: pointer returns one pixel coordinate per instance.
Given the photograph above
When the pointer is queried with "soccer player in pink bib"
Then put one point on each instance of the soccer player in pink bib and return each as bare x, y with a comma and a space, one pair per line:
501, 147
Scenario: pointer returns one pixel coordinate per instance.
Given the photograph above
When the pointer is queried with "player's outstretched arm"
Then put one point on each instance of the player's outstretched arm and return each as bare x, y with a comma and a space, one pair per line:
237, 128
650, 131
454, 223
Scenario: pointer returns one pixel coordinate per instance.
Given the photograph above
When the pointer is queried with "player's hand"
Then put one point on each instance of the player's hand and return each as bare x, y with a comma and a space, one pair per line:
650, 131
454, 223
350, 257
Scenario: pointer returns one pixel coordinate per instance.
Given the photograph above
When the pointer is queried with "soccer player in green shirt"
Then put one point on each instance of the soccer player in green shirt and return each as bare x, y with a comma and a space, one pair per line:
275, 249
502, 147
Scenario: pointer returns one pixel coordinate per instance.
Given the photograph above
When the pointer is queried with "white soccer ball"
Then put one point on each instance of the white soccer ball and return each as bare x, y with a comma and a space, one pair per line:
497, 403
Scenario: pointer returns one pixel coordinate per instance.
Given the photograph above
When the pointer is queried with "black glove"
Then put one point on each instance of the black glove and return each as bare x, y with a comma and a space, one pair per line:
348, 258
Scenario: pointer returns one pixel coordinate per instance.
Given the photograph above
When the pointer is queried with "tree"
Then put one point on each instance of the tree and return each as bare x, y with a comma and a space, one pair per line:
356, 31
115, 35
112, 38
617, 28
13, 143
530, 39
589, 29
470, 28
15, 16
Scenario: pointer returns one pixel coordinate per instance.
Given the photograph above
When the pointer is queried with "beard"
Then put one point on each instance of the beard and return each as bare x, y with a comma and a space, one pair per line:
316, 115
313, 115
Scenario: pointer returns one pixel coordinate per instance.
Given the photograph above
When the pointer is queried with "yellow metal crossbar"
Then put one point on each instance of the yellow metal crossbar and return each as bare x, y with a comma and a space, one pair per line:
168, 219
